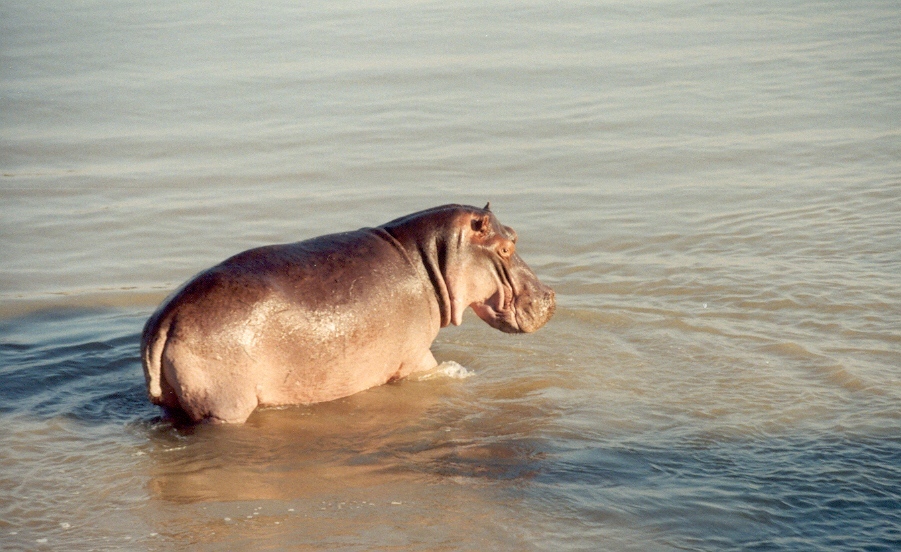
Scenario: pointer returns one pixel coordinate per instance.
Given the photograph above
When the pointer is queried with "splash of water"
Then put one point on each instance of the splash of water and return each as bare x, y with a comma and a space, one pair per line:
448, 369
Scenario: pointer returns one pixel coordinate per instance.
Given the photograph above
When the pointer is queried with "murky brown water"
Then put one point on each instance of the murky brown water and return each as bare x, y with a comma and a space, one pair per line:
713, 191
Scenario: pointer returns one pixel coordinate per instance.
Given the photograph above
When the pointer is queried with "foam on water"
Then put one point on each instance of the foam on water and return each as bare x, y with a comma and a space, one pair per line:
447, 369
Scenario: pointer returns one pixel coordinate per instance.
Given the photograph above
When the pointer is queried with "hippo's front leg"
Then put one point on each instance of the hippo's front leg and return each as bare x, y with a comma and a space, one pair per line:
425, 363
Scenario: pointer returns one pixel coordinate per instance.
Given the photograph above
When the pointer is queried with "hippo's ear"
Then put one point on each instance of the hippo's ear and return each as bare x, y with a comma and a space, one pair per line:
487, 206
481, 226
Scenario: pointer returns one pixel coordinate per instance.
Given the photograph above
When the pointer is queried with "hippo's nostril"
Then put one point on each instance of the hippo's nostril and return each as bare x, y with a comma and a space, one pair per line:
536, 308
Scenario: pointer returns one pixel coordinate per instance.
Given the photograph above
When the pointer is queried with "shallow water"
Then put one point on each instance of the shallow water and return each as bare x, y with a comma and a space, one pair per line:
712, 190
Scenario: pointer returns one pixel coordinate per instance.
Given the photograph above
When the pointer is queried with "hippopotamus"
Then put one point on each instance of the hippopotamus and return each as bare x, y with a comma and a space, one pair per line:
325, 318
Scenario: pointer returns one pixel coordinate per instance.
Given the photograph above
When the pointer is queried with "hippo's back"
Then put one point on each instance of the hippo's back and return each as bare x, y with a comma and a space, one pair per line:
292, 323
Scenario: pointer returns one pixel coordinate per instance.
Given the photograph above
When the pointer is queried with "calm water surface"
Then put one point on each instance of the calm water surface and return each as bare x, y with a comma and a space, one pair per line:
714, 190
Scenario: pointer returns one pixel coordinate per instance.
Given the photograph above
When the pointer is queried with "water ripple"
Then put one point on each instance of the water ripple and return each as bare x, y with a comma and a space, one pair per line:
818, 492
72, 373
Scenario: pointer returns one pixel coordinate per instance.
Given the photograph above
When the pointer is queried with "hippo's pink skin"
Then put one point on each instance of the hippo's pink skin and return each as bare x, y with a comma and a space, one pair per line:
328, 317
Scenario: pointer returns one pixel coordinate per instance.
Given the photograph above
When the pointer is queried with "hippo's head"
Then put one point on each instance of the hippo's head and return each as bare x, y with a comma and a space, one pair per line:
471, 260
490, 277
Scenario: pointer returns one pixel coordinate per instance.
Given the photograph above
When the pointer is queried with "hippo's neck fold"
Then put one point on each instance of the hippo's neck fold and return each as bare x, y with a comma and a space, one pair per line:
428, 256
434, 259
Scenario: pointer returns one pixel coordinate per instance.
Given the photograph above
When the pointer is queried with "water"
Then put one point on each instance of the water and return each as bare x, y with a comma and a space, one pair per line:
713, 190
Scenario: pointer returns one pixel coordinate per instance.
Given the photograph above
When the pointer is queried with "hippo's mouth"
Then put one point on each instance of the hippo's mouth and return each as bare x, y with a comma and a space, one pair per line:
523, 313
499, 311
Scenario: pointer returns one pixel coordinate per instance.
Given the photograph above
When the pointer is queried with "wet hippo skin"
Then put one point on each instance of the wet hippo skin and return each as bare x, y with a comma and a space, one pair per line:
324, 318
